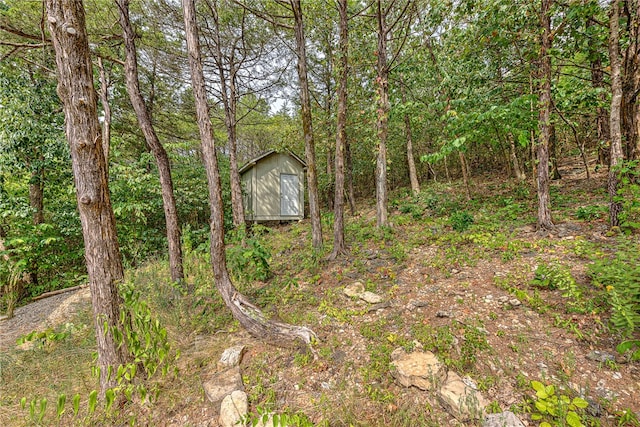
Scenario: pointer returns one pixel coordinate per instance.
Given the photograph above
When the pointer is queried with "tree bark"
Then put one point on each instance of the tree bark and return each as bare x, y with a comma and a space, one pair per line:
553, 153
36, 202
411, 163
351, 195
517, 171
106, 109
615, 126
249, 316
341, 135
307, 127
162, 160
382, 123
104, 265
229, 96
602, 118
544, 121
631, 80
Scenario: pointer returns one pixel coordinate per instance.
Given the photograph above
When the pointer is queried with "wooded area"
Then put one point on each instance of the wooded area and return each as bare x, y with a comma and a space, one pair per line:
382, 97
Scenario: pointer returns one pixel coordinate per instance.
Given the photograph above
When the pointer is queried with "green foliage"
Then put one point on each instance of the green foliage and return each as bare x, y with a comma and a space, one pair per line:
620, 276
248, 259
286, 419
460, 220
557, 410
556, 276
589, 213
629, 195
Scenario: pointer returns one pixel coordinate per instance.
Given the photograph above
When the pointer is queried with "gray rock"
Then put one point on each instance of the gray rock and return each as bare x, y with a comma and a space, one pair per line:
515, 302
370, 297
460, 400
222, 384
503, 419
600, 356
443, 314
354, 290
419, 369
231, 357
233, 409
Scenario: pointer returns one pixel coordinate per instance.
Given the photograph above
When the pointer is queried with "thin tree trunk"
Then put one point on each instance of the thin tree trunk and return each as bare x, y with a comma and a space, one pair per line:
307, 127
382, 123
106, 109
615, 127
631, 80
465, 174
36, 202
553, 153
104, 264
229, 96
544, 211
249, 316
351, 195
602, 118
517, 171
413, 175
146, 125
341, 135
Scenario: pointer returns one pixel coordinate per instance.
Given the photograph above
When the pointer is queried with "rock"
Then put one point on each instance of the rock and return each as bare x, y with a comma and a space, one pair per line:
231, 357
354, 290
233, 409
443, 314
419, 304
419, 369
515, 302
222, 384
503, 419
460, 400
600, 356
370, 297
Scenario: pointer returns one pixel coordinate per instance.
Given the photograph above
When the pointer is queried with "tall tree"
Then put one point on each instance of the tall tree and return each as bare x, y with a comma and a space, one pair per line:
67, 26
246, 313
307, 125
146, 125
616, 156
382, 84
544, 121
631, 79
341, 133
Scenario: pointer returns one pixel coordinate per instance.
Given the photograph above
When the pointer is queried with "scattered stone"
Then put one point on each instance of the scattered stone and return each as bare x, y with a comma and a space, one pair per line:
339, 357
470, 382
616, 375
419, 369
454, 271
515, 302
600, 356
460, 400
379, 306
222, 384
419, 304
354, 290
443, 314
503, 419
503, 299
233, 409
231, 357
370, 297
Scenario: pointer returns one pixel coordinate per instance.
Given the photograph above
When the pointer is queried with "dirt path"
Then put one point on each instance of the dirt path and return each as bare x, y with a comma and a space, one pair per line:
41, 314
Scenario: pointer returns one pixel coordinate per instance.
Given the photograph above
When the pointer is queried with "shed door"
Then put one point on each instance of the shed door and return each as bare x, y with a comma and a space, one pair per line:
289, 195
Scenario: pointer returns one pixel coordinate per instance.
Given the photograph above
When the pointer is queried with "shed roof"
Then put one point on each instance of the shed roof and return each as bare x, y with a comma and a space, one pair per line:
252, 162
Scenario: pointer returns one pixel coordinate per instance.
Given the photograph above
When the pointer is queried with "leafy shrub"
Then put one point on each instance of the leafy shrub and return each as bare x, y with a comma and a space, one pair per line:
460, 220
620, 276
249, 260
556, 276
629, 195
589, 213
558, 410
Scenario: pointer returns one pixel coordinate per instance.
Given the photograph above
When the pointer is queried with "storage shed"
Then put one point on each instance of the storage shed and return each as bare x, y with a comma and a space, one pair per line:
273, 185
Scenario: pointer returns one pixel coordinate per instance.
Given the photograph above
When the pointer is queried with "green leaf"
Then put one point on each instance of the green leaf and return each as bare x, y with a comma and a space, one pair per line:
62, 400
110, 397
76, 404
580, 403
540, 389
93, 401
573, 419
545, 424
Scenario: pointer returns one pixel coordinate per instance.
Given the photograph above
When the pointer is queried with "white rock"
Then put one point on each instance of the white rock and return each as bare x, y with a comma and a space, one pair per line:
233, 408
503, 419
222, 384
354, 290
419, 369
231, 357
460, 400
370, 297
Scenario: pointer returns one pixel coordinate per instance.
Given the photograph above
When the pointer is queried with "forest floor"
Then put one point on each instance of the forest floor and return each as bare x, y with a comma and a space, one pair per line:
456, 277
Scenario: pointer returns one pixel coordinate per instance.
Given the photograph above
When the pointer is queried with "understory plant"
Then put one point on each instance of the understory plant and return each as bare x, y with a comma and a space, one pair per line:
553, 409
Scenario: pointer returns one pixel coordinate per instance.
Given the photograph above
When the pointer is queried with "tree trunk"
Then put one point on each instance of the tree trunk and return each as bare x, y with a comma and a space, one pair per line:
553, 152
36, 202
229, 97
465, 174
104, 264
382, 123
341, 134
106, 109
413, 175
631, 80
351, 195
602, 118
246, 313
307, 127
615, 126
517, 171
544, 211
162, 160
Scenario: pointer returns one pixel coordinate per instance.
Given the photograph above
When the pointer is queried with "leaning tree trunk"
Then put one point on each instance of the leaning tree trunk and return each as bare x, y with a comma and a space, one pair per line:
162, 160
382, 123
104, 264
615, 127
249, 316
307, 128
341, 134
411, 163
544, 210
